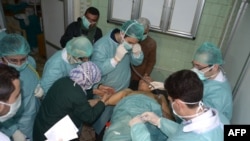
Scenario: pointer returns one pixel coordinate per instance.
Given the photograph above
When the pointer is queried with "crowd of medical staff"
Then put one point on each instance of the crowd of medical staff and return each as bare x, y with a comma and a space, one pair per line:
79, 79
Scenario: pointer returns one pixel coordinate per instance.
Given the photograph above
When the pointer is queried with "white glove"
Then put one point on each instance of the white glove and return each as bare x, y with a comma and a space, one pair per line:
135, 120
120, 52
18, 136
151, 117
136, 50
39, 91
156, 85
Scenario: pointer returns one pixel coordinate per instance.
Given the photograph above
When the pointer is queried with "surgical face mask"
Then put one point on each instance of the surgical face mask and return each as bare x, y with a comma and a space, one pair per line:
126, 45
201, 74
73, 60
17, 67
13, 109
144, 37
85, 22
189, 116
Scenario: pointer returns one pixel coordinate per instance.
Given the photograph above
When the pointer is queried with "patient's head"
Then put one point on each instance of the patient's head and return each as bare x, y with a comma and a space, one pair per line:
144, 84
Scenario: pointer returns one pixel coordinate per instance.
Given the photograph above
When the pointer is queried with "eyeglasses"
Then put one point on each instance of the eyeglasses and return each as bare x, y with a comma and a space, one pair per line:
16, 61
199, 67
205, 67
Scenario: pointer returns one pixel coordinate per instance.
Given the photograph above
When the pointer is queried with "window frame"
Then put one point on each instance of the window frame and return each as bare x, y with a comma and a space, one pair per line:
168, 15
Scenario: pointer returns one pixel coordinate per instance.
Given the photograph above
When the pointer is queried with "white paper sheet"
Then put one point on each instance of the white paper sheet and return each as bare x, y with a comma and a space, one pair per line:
63, 130
3, 137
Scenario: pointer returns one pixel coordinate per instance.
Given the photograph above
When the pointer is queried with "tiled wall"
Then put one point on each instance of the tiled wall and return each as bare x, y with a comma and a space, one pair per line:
175, 53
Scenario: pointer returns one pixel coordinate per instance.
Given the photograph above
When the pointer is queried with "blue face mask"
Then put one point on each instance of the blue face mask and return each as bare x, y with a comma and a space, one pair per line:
126, 45
17, 67
200, 74
85, 22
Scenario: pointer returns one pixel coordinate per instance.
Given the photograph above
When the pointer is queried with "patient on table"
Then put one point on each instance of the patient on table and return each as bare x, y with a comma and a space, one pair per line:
130, 103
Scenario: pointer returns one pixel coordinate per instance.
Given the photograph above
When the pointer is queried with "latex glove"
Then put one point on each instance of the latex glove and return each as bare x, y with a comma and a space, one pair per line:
18, 136
135, 120
151, 117
39, 91
120, 52
136, 50
156, 85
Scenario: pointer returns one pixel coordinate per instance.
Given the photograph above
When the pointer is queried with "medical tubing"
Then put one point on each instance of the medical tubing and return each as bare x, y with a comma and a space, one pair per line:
137, 73
34, 70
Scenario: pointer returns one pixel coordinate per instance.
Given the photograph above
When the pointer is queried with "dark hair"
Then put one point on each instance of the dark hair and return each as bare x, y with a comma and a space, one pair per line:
7, 75
93, 11
184, 85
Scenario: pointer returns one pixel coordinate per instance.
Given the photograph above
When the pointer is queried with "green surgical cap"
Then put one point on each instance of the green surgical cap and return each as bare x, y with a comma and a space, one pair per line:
79, 47
14, 44
209, 54
133, 29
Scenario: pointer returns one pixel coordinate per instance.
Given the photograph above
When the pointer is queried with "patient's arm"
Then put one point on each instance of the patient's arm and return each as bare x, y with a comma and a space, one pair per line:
115, 98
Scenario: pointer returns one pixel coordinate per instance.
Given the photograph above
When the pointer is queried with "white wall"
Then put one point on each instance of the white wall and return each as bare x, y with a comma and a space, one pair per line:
238, 49
237, 66
241, 114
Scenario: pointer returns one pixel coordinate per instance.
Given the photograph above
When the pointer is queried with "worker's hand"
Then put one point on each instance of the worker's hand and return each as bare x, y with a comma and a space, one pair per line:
39, 91
151, 117
120, 52
135, 120
108, 89
136, 50
102, 89
18, 136
156, 85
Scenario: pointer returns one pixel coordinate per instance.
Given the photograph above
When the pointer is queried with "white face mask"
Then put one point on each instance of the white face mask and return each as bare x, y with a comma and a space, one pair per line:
13, 109
73, 60
189, 116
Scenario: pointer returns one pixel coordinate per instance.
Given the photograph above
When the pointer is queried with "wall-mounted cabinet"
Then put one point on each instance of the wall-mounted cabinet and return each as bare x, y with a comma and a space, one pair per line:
175, 17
